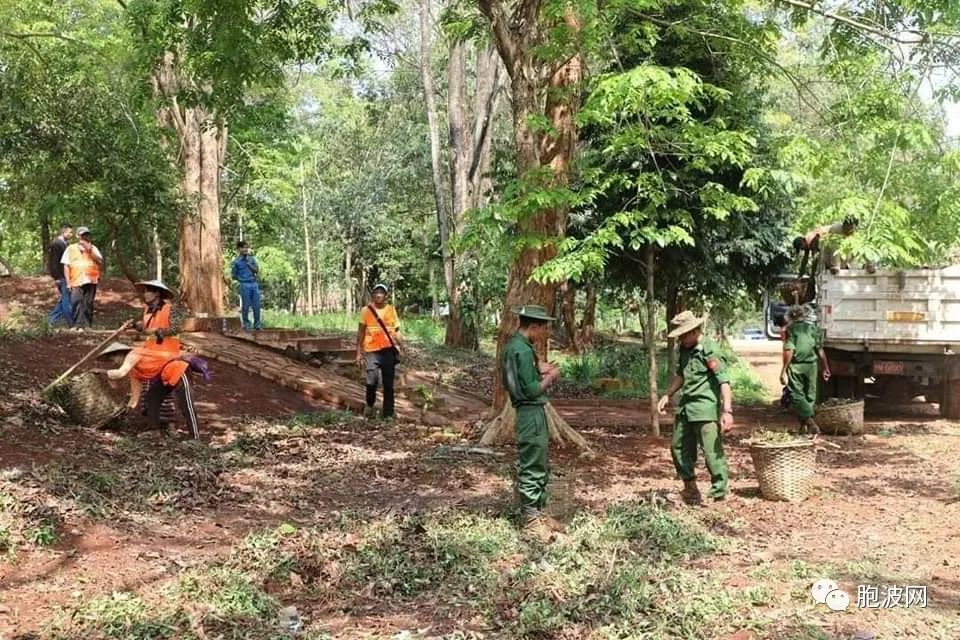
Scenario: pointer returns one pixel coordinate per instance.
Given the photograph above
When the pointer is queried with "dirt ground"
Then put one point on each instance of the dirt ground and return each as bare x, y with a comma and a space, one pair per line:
884, 513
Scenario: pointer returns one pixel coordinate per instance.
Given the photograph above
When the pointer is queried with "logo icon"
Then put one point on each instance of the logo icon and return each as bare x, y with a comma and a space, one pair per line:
838, 600
828, 592
821, 588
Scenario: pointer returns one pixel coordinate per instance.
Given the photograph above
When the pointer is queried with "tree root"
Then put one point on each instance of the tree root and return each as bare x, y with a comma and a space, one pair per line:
503, 429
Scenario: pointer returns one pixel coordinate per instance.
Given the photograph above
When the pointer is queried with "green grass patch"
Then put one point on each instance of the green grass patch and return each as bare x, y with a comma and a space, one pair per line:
227, 593
624, 363
629, 366
19, 326
618, 574
421, 329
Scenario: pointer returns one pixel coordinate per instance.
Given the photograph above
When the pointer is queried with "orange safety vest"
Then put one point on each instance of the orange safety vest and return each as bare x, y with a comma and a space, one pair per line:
375, 339
82, 268
159, 319
160, 359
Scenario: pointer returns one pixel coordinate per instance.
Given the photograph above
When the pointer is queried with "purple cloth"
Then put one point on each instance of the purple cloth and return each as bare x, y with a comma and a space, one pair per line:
199, 366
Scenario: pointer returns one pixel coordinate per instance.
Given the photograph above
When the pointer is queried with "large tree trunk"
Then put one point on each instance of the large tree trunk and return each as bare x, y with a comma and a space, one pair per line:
516, 37
555, 151
202, 145
651, 336
469, 161
201, 257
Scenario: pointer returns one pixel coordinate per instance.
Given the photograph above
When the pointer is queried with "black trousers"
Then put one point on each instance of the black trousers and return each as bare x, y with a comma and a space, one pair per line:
182, 395
82, 300
381, 364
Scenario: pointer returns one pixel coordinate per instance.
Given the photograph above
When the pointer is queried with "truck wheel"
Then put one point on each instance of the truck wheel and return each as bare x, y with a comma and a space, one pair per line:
950, 400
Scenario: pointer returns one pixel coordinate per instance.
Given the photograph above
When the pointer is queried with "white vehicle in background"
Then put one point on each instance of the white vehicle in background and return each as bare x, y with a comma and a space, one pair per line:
893, 334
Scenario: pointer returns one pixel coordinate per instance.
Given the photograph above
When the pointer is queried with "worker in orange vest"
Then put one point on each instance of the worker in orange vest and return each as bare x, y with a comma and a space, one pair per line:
82, 264
160, 321
161, 364
379, 349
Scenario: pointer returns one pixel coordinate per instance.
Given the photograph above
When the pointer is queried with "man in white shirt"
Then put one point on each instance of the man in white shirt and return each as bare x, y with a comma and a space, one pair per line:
82, 266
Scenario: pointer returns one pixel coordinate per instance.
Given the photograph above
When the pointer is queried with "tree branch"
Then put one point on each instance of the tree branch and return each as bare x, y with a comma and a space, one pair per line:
497, 17
800, 86
49, 34
865, 27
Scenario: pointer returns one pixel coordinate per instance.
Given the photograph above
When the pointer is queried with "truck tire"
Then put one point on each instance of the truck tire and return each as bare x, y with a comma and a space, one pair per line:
950, 400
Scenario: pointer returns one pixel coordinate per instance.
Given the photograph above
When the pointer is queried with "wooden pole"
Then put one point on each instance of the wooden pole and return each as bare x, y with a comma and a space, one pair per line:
87, 357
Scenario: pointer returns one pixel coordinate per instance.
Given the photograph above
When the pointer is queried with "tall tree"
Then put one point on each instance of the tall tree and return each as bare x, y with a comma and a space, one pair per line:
538, 44
204, 59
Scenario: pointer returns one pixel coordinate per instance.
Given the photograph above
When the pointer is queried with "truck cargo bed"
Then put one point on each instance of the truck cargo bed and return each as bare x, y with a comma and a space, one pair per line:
907, 311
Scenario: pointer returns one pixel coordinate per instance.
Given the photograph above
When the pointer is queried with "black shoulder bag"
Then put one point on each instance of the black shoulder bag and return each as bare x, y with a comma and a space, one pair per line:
396, 352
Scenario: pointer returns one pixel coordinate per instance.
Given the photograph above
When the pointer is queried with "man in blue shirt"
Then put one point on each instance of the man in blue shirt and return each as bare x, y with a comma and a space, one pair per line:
246, 271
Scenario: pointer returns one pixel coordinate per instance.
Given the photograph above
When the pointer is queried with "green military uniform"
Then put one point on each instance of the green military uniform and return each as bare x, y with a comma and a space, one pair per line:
521, 378
697, 418
803, 339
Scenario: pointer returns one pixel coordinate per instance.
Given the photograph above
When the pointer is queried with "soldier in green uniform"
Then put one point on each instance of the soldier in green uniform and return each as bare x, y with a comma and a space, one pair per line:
705, 410
801, 348
526, 380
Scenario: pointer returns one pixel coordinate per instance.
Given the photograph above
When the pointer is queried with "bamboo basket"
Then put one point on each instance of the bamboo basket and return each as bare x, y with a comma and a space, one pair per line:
785, 470
560, 495
841, 419
88, 400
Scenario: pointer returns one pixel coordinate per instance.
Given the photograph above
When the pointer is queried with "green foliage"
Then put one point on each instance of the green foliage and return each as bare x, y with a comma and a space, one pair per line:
626, 364
630, 366
76, 143
421, 329
872, 149
229, 593
123, 616
43, 535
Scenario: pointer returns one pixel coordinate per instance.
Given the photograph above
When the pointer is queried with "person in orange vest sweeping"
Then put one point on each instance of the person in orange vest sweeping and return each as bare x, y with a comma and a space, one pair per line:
82, 263
163, 366
160, 320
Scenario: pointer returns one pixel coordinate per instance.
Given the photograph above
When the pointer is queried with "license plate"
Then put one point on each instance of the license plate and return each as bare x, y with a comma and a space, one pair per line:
906, 316
888, 367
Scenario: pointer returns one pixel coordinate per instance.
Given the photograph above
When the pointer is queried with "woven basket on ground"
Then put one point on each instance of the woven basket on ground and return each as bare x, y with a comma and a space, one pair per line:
561, 494
840, 419
88, 400
785, 470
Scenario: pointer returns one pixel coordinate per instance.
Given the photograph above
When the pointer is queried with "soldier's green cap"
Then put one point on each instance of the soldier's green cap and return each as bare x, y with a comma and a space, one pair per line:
533, 311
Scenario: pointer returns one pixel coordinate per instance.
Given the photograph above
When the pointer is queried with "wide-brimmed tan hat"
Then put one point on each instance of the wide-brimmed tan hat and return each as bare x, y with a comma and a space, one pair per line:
685, 322
165, 291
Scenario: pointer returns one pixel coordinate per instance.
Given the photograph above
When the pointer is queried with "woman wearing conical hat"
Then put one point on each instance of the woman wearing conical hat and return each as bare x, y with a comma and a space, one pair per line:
158, 310
159, 321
